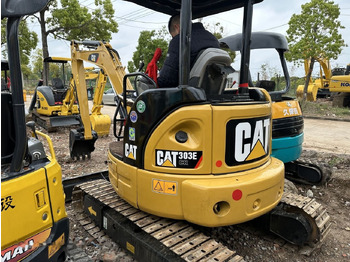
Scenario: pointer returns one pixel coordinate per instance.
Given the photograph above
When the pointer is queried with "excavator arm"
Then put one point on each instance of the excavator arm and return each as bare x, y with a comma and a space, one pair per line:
322, 82
100, 86
105, 57
100, 123
69, 100
81, 141
101, 54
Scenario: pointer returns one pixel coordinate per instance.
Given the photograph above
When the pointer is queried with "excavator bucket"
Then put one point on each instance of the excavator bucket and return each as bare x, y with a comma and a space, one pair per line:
79, 146
311, 94
101, 124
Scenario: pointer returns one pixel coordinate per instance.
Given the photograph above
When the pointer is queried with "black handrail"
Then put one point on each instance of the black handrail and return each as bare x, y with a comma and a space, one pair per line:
245, 56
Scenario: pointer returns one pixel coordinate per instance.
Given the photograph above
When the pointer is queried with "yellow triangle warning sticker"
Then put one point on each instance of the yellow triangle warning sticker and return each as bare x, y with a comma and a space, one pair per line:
131, 156
168, 163
257, 151
158, 187
164, 187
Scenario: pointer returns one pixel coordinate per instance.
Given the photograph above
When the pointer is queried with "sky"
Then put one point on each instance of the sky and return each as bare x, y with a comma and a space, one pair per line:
269, 15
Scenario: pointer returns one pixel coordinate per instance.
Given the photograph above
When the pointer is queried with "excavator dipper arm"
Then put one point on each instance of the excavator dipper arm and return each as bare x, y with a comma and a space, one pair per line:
82, 140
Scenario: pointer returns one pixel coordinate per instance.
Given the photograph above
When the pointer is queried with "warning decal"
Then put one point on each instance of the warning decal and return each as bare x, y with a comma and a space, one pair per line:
164, 187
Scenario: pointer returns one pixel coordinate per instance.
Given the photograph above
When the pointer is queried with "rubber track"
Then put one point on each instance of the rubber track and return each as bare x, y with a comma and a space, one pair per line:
178, 236
316, 213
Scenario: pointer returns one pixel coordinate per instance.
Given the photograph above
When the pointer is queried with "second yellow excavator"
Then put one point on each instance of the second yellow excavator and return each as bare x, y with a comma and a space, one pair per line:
335, 82
55, 105
107, 59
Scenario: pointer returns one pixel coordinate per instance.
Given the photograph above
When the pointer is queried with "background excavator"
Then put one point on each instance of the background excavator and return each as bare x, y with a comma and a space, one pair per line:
81, 141
34, 223
195, 139
287, 119
335, 82
55, 106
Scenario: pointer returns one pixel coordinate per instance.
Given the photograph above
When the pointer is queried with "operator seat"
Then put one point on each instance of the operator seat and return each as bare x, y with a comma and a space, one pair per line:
268, 85
59, 90
57, 83
210, 71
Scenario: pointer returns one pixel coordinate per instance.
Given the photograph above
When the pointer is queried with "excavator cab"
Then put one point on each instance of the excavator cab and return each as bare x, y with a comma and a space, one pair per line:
194, 152
50, 98
287, 119
34, 222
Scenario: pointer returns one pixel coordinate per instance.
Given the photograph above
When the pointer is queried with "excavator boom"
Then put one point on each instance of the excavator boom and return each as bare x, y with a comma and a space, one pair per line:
101, 54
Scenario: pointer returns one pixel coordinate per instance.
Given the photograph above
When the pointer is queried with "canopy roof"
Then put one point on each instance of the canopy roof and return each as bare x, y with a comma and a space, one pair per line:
17, 8
258, 40
200, 8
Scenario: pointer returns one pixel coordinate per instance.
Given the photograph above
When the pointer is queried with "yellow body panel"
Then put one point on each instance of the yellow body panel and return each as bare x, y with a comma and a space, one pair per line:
340, 83
196, 121
285, 109
221, 116
47, 110
194, 197
198, 180
32, 202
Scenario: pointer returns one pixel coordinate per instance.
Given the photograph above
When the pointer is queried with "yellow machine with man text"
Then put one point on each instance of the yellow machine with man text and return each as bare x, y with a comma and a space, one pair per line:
34, 222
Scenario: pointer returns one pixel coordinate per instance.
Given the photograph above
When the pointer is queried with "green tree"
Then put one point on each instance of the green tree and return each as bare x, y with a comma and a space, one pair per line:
28, 41
72, 20
218, 31
315, 34
37, 62
147, 44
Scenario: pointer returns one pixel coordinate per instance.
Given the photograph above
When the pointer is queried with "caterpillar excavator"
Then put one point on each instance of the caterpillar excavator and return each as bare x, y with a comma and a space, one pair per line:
101, 54
34, 223
55, 106
194, 152
335, 81
287, 119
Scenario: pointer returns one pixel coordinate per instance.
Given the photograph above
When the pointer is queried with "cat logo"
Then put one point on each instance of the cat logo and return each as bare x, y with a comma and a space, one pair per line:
130, 151
93, 57
247, 140
178, 159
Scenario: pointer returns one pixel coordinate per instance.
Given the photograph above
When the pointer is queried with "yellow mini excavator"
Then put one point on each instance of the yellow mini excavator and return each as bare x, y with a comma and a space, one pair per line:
55, 106
81, 141
195, 151
34, 223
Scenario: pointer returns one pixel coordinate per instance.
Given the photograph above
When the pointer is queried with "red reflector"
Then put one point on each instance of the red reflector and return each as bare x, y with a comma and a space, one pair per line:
244, 85
237, 194
219, 163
